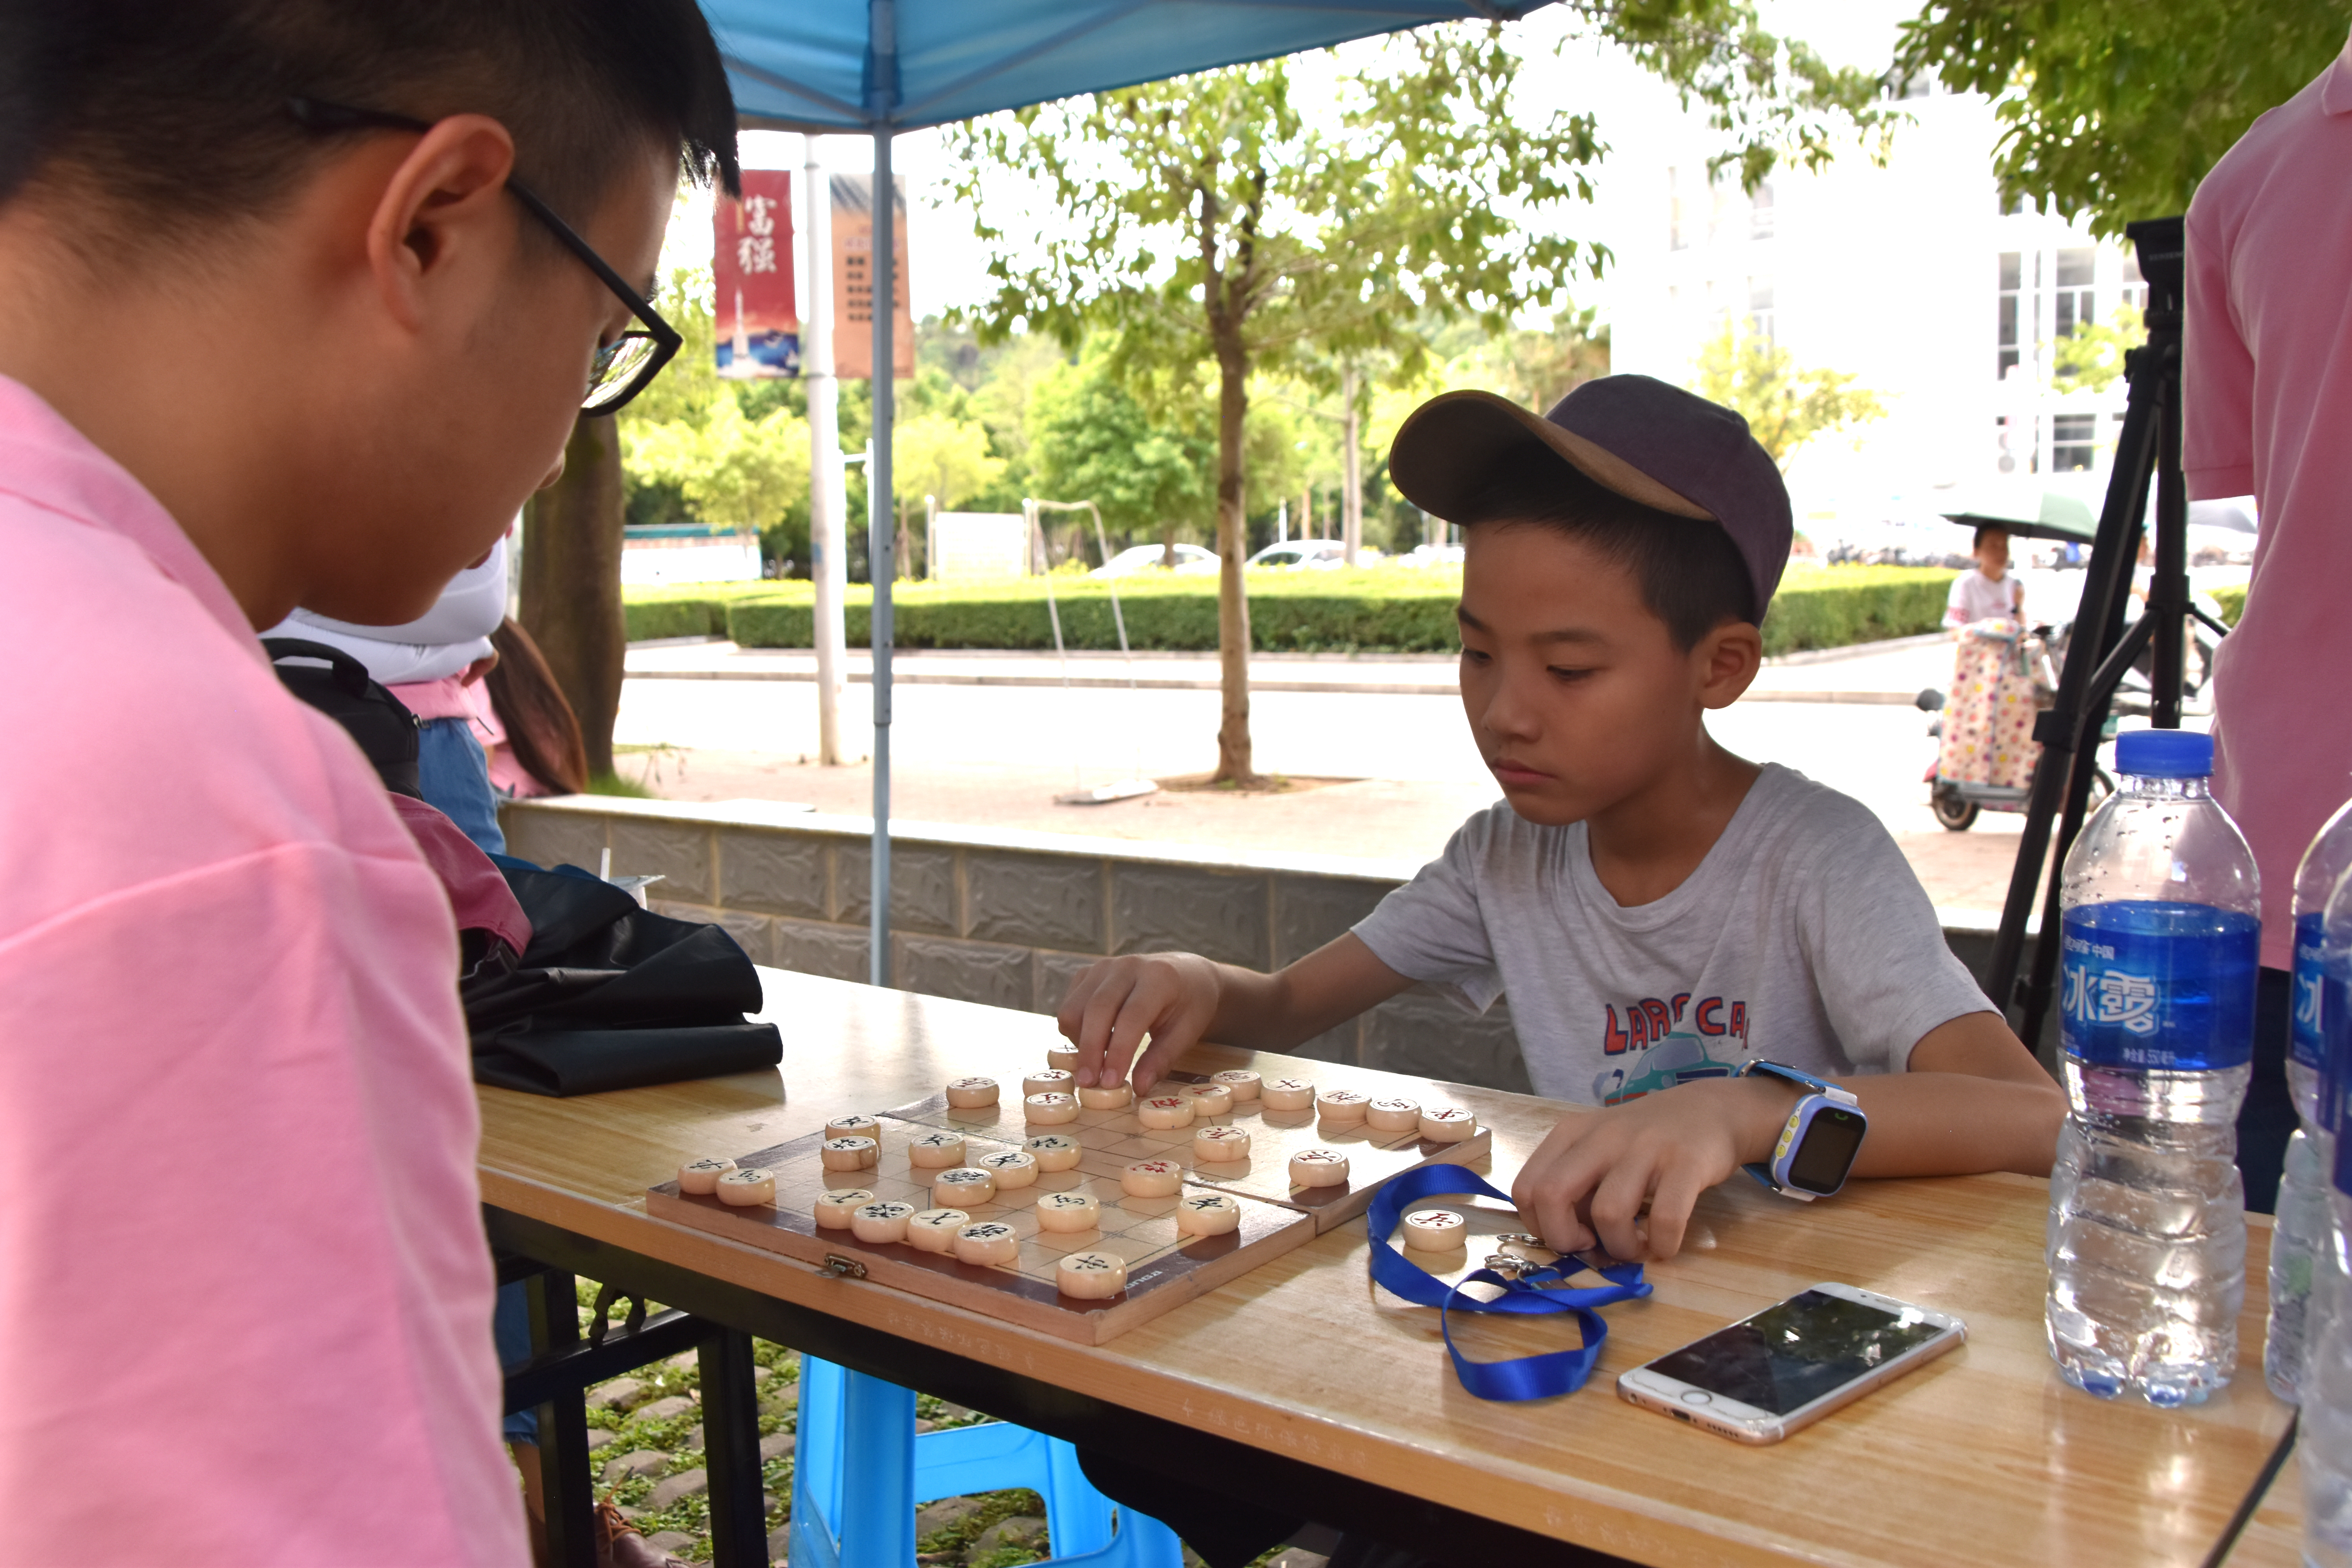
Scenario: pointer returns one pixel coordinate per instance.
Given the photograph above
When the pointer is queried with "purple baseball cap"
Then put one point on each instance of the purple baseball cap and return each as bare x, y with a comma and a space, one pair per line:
1648, 442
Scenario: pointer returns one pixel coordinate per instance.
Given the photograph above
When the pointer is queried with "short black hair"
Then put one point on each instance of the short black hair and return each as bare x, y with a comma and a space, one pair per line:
172, 115
1690, 573
1985, 530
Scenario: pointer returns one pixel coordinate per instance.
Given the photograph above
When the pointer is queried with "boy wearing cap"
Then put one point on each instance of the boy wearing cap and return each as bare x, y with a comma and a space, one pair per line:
1660, 912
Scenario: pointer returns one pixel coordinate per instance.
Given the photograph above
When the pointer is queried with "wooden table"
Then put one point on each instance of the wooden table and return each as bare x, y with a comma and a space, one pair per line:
1303, 1387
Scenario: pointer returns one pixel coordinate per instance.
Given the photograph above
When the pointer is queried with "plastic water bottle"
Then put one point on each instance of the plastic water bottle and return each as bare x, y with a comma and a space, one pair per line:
2323, 1448
2162, 941
2299, 1241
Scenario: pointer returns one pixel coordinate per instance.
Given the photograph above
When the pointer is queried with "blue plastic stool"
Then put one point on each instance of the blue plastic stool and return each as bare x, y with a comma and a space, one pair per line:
847, 1419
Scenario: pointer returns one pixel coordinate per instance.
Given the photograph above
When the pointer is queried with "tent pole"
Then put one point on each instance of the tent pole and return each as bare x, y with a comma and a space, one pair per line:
881, 519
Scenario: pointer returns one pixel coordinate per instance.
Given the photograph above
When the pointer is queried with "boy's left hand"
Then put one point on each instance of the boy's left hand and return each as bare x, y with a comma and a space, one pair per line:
1589, 1180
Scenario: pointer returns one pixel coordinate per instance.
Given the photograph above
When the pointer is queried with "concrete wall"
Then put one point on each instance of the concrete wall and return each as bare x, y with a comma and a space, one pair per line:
1011, 918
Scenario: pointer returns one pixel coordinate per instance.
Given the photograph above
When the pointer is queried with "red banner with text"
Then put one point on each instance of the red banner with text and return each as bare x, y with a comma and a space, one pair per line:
757, 322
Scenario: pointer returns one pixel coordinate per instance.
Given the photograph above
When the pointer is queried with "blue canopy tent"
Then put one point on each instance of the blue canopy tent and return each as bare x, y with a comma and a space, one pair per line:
881, 67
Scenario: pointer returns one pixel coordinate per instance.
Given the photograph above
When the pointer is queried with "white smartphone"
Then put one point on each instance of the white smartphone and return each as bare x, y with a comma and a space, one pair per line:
1792, 1364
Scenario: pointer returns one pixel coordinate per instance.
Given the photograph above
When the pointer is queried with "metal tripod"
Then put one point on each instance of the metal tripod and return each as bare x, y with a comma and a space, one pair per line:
2102, 650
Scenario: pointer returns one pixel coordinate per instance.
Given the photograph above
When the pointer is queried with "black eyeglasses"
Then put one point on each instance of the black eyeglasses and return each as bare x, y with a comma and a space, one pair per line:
623, 367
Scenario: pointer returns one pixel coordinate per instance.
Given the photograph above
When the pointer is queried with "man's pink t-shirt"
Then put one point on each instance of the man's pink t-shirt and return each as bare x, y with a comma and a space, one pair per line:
2267, 371
245, 1297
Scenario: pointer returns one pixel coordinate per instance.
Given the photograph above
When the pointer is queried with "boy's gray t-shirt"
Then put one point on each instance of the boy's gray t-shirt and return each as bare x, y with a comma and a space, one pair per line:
1802, 938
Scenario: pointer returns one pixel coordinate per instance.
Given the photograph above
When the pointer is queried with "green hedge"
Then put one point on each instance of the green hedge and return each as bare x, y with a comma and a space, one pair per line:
1377, 610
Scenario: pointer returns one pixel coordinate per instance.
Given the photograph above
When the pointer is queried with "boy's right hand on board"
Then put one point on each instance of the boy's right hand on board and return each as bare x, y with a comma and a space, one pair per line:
1170, 996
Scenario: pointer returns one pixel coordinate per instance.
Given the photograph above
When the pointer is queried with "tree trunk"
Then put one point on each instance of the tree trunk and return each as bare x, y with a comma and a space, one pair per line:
1234, 764
571, 583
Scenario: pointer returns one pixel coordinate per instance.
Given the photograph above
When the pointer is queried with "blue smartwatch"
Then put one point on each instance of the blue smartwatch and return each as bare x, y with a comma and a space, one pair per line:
1818, 1146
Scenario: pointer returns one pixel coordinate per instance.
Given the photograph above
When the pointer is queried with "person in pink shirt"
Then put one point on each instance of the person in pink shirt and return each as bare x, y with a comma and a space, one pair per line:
2267, 369
299, 301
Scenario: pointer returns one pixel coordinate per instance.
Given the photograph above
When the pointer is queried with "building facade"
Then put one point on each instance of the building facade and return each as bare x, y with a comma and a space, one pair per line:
1907, 274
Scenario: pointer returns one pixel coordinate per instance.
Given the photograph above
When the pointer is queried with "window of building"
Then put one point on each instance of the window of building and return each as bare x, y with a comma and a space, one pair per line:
1759, 309
2073, 439
2012, 277
1677, 226
2135, 291
1760, 212
2072, 305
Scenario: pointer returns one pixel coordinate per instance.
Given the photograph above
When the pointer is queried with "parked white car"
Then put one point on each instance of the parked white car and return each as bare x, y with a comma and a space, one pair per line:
1313, 554
1432, 555
1192, 560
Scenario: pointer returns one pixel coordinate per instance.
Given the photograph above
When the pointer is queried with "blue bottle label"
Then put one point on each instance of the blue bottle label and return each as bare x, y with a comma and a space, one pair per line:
2158, 986
2307, 1034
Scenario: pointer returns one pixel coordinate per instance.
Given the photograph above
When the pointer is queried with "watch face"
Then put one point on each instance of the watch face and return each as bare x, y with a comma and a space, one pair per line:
1825, 1151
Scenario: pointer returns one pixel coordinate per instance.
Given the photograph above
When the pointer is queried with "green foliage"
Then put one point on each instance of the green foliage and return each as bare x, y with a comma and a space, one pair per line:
1384, 609
1841, 605
1092, 439
939, 456
614, 784
2116, 109
1786, 404
734, 471
2091, 357
2233, 601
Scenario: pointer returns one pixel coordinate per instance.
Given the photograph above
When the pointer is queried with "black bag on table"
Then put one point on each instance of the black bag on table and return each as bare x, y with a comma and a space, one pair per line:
611, 995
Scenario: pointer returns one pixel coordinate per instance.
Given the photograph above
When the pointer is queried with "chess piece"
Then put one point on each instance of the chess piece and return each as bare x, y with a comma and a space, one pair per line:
1393, 1114
1053, 1150
1215, 1145
1151, 1179
934, 1230
1436, 1230
1091, 1276
701, 1177
1050, 1109
1243, 1082
747, 1188
1065, 1212
1165, 1113
1209, 1098
965, 1185
1288, 1094
881, 1222
849, 1154
988, 1243
1065, 1056
833, 1210
1318, 1168
854, 1127
1342, 1106
1446, 1123
1110, 1097
1053, 1081
935, 1151
971, 1093
1012, 1168
1208, 1213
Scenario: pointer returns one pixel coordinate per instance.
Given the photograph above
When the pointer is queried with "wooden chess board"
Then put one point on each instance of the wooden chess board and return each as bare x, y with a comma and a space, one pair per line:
1115, 1140
1163, 1269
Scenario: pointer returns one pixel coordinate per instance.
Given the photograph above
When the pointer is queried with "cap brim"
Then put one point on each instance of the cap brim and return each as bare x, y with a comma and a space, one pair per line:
1447, 451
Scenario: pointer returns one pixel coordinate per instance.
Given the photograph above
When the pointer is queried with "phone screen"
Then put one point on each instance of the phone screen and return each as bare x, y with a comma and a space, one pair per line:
1788, 1355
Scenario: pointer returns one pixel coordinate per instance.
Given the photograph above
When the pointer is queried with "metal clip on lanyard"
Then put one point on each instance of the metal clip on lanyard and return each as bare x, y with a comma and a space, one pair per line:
1522, 1282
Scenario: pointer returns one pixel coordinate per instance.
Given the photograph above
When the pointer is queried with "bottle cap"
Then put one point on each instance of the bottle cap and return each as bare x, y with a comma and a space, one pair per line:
2164, 753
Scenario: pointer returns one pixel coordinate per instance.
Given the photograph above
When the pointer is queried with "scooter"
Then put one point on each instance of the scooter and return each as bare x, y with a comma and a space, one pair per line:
1957, 803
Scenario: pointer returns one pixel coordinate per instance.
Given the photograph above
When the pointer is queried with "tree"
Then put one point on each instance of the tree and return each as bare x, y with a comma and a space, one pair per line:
1785, 404
1209, 221
735, 472
2116, 109
943, 457
2091, 357
1092, 439
571, 583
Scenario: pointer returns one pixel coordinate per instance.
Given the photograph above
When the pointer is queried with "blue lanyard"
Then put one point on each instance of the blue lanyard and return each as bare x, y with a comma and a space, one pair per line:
1526, 1378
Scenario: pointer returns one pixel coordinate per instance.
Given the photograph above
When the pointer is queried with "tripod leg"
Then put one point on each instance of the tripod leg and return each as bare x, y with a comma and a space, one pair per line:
2167, 597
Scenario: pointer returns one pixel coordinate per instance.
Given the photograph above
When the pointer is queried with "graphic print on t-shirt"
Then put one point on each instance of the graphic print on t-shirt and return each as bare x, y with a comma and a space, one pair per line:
1657, 1055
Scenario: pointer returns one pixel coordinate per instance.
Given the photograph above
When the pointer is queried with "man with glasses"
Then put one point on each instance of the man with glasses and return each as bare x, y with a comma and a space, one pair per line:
299, 302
